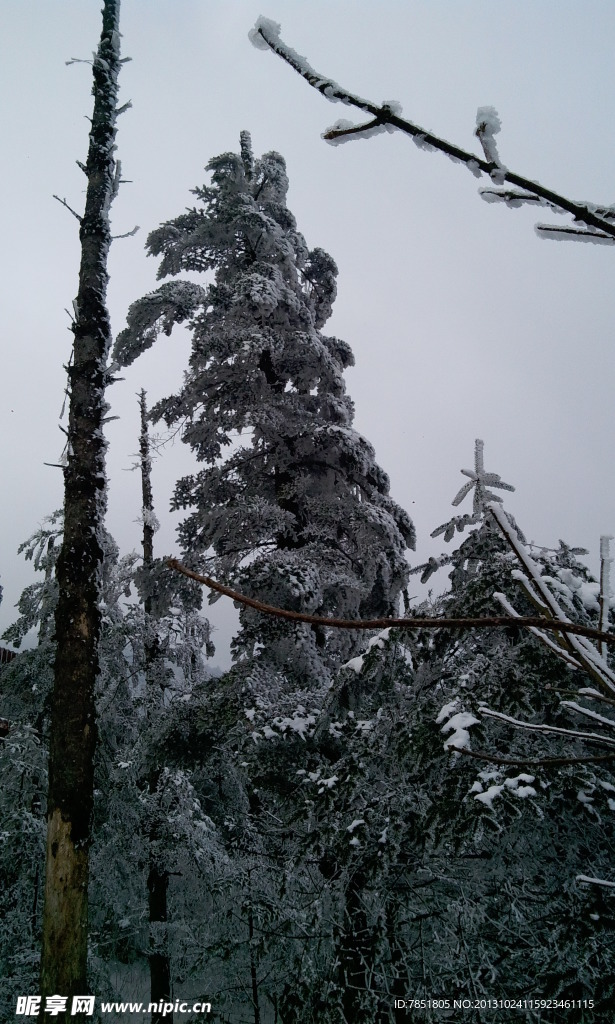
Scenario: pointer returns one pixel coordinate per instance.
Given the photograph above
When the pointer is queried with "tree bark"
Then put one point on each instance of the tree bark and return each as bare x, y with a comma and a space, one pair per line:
77, 620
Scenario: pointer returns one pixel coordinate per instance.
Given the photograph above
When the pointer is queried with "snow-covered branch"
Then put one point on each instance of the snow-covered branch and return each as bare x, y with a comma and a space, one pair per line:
386, 117
577, 734
595, 881
576, 651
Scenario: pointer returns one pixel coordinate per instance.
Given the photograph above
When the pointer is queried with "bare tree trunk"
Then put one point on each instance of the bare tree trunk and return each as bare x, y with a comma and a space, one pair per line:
77, 620
158, 877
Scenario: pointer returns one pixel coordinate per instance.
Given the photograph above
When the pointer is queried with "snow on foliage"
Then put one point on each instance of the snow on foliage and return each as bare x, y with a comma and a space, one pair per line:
459, 724
356, 664
288, 496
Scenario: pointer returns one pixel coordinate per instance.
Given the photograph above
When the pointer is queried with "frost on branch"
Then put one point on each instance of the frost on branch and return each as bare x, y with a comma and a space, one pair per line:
154, 314
488, 125
386, 117
264, 27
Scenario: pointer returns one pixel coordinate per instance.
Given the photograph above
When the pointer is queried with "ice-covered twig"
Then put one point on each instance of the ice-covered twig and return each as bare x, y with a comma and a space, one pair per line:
266, 36
480, 481
575, 234
488, 125
514, 199
127, 234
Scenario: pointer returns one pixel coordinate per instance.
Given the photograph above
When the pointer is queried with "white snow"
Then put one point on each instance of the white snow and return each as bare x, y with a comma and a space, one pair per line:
446, 711
149, 518
271, 28
590, 714
356, 664
489, 796
460, 723
512, 784
299, 723
487, 127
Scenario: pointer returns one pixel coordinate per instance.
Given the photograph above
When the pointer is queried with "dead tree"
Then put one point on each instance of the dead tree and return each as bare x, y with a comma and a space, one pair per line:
77, 619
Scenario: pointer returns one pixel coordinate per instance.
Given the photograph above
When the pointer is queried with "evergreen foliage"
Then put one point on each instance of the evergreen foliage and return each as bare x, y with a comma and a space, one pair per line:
291, 504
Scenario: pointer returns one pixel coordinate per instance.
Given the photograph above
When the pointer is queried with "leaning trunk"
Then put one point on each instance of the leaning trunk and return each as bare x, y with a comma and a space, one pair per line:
77, 621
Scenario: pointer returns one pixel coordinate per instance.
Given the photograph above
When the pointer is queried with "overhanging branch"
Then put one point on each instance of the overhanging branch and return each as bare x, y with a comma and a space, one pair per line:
265, 35
485, 622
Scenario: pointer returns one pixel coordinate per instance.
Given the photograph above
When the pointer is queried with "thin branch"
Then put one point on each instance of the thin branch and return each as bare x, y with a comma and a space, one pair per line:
592, 737
265, 35
484, 755
69, 208
127, 234
578, 234
492, 621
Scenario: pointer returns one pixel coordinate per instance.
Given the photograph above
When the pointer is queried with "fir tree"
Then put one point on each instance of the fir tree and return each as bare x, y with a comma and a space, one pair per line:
298, 512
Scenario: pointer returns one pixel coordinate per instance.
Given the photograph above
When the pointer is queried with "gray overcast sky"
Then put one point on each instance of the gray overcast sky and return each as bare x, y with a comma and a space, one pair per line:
464, 324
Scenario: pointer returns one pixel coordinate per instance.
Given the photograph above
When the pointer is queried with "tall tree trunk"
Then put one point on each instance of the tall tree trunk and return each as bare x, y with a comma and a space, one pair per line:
77, 620
253, 964
158, 877
354, 953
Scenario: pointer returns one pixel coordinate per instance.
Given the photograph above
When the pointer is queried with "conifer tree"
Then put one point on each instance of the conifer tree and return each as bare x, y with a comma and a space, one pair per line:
291, 503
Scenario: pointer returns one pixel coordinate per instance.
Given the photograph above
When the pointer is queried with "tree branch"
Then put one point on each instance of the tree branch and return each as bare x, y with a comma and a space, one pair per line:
69, 208
484, 755
492, 621
265, 35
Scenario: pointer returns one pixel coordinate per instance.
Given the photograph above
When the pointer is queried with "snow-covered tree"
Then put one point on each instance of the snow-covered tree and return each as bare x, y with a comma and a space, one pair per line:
441, 869
290, 504
533, 817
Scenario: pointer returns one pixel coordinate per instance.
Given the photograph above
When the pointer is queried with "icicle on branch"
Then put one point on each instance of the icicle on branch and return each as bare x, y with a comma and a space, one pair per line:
485, 622
385, 117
